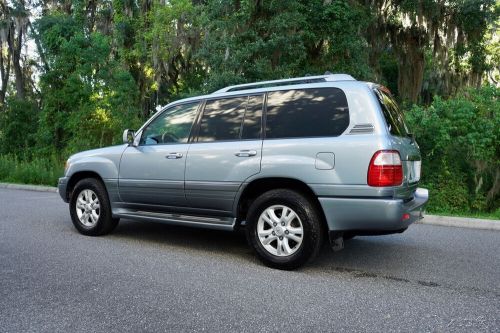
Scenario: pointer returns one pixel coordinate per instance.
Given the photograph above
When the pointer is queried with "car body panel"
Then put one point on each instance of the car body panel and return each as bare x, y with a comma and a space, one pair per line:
148, 176
214, 172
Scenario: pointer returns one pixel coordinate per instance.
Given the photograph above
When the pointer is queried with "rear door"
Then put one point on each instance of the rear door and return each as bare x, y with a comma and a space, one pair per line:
225, 152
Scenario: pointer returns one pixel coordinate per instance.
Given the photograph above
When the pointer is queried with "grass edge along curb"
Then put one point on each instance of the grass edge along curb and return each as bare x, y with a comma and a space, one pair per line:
461, 222
38, 188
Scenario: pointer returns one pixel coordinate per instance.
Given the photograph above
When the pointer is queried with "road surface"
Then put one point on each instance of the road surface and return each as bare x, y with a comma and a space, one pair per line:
149, 277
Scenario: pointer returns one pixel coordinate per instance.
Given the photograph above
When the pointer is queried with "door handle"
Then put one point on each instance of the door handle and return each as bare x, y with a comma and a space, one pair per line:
246, 153
172, 156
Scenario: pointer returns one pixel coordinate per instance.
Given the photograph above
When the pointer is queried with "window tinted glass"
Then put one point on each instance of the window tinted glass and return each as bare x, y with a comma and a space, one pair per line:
222, 119
392, 114
172, 126
306, 113
253, 118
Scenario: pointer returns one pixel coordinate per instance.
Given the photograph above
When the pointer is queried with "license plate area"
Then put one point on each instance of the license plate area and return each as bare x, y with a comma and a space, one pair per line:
413, 169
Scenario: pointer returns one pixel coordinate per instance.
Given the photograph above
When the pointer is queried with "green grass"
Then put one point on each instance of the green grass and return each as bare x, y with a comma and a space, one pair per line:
37, 171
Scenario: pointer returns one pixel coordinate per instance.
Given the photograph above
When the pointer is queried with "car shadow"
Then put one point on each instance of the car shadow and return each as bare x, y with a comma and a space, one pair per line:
363, 254
195, 239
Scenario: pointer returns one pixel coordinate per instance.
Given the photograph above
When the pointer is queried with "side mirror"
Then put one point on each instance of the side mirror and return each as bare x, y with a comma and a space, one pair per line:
128, 136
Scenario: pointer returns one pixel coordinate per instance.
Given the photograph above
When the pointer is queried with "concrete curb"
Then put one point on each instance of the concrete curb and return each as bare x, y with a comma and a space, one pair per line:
38, 188
461, 222
445, 221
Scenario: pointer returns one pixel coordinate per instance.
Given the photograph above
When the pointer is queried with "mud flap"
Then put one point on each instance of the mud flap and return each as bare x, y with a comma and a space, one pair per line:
336, 240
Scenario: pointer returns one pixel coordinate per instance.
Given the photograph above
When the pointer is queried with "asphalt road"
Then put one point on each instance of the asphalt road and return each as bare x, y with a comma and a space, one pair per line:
149, 277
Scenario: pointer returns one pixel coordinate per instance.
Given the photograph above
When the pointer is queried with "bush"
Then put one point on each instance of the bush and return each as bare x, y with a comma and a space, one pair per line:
39, 171
459, 138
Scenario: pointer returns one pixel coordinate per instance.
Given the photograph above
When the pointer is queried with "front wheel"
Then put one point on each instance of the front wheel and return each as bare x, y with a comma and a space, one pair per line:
284, 228
90, 208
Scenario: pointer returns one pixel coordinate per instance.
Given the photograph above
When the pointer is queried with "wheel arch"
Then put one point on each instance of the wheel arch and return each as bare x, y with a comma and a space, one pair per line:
79, 175
261, 185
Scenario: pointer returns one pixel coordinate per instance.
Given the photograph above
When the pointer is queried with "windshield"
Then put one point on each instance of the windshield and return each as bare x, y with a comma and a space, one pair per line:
393, 115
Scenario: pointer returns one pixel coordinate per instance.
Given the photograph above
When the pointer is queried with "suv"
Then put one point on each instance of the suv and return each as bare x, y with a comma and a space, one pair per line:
292, 161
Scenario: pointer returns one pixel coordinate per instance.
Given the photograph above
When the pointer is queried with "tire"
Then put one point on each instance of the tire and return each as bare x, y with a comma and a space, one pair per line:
282, 202
98, 220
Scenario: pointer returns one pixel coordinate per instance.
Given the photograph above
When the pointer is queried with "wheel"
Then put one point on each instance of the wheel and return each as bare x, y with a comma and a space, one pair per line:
90, 208
284, 228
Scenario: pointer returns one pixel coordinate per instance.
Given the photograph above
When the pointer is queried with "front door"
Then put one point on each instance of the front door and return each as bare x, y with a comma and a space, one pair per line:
226, 151
153, 172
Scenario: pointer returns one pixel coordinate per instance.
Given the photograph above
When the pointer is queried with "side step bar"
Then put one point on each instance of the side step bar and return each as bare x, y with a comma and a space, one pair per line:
209, 222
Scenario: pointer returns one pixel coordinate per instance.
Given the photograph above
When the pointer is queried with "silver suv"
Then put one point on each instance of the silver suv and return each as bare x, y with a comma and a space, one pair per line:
291, 161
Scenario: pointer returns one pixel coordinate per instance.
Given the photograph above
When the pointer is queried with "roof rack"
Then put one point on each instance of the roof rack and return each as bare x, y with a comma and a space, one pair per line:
298, 80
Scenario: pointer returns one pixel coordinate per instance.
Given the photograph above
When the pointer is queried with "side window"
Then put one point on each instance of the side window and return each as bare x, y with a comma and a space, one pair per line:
253, 118
222, 119
306, 113
172, 126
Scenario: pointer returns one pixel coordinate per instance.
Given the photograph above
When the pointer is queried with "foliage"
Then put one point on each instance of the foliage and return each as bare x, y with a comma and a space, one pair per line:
103, 66
88, 98
17, 130
39, 171
458, 139
249, 41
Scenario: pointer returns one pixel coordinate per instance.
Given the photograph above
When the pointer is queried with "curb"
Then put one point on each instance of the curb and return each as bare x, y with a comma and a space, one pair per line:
38, 188
444, 221
461, 222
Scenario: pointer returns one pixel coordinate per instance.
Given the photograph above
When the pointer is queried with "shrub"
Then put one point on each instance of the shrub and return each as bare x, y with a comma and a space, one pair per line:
39, 171
459, 138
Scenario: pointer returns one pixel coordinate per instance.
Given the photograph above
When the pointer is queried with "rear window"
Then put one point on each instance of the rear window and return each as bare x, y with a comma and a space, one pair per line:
306, 113
222, 119
393, 115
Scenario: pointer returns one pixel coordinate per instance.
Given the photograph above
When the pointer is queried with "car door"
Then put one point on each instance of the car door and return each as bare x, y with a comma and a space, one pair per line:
226, 151
152, 173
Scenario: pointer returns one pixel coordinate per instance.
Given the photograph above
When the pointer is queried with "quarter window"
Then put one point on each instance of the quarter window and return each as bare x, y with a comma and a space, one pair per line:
392, 113
172, 126
306, 113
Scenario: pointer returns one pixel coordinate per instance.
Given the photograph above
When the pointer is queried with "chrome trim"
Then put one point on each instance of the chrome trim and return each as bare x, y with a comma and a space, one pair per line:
209, 222
246, 153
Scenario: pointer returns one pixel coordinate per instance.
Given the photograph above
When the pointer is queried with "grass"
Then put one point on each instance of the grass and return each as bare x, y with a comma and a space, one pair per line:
476, 215
37, 171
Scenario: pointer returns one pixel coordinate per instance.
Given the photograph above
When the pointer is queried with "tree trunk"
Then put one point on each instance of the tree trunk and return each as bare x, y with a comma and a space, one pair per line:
15, 47
411, 64
5, 73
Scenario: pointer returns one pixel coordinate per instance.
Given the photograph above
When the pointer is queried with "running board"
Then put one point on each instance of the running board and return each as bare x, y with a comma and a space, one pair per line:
209, 222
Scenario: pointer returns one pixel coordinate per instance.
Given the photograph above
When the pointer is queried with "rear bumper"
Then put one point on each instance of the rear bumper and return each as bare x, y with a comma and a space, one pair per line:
62, 185
371, 214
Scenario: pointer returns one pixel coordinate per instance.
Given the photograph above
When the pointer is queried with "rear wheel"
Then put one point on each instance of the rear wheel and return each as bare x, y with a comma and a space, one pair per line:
284, 228
90, 208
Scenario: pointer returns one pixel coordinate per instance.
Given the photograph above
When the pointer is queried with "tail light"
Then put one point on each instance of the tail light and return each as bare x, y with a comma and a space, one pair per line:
385, 169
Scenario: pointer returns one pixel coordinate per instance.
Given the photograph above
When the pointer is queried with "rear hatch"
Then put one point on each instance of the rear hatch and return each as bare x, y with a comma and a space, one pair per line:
401, 140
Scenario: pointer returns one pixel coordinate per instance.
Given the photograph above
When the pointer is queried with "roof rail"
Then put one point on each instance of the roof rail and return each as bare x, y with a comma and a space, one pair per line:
298, 80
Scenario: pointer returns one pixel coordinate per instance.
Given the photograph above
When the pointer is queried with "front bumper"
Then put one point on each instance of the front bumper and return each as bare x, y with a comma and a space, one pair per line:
62, 185
372, 214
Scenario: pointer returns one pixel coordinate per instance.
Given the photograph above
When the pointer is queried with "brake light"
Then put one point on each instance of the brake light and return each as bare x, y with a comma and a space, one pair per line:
385, 169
